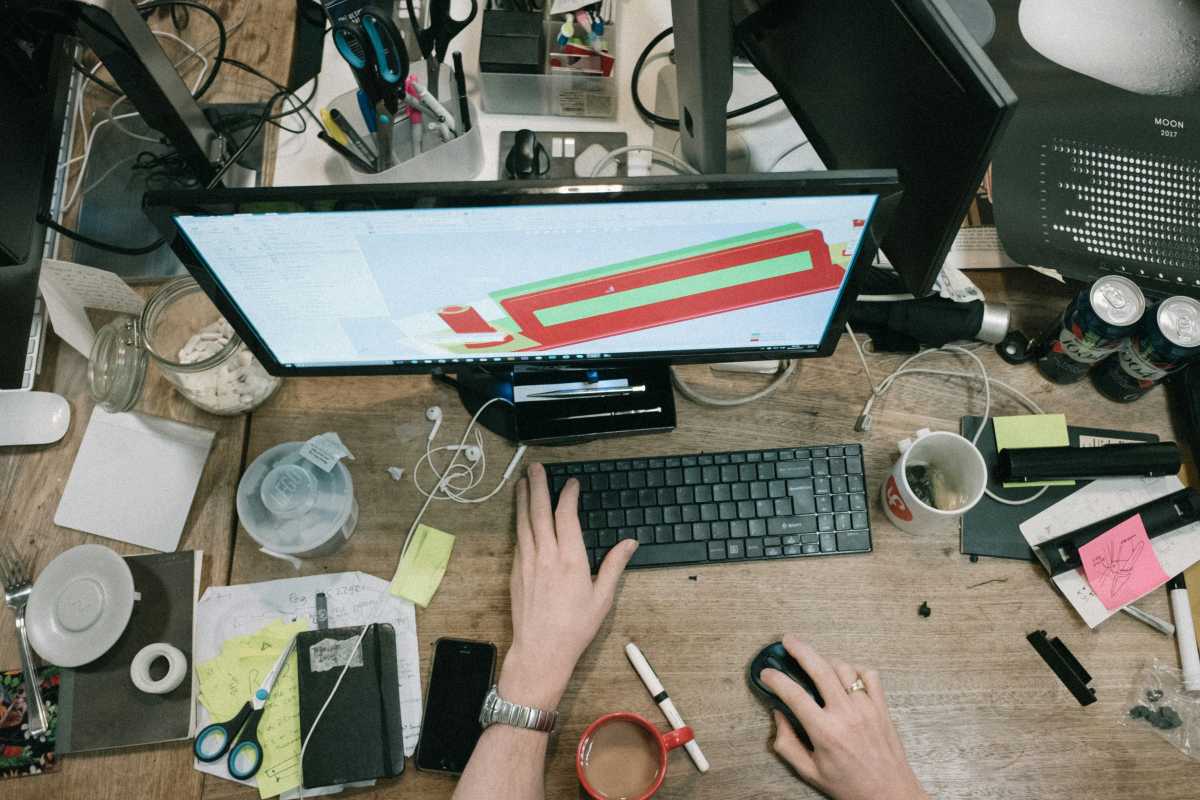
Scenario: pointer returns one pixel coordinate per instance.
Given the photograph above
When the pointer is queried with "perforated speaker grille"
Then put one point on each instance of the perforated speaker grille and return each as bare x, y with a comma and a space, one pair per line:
1138, 212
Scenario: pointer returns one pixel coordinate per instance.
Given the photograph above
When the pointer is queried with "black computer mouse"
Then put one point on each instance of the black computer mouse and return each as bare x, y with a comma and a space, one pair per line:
775, 656
527, 158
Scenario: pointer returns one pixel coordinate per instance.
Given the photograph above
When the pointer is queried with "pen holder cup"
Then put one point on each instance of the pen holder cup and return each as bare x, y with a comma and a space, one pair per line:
459, 159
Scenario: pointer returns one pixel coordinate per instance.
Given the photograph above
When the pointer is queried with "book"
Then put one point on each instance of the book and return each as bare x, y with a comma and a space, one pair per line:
21, 755
360, 735
99, 707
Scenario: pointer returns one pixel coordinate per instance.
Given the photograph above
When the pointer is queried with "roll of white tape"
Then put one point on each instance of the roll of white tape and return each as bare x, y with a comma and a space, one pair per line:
139, 668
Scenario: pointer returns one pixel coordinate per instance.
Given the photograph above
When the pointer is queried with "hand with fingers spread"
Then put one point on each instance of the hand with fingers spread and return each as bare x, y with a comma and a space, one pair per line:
856, 752
557, 607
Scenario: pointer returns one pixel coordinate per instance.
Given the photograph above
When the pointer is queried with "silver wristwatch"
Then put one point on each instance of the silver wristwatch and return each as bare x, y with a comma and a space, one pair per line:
497, 710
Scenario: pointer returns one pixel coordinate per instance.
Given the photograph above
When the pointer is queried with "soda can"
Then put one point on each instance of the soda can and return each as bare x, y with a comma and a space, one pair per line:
1091, 328
1163, 343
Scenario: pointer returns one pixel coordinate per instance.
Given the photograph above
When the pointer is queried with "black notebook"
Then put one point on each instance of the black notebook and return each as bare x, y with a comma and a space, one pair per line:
99, 707
359, 737
994, 529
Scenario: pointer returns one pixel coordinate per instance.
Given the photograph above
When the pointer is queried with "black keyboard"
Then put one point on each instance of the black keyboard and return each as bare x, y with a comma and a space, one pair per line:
752, 504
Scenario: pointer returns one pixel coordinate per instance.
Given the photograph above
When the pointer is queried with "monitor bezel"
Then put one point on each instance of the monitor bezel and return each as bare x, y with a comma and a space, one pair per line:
162, 207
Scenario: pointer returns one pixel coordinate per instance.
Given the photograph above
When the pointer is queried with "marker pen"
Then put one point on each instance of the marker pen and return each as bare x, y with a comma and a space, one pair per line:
1185, 633
655, 687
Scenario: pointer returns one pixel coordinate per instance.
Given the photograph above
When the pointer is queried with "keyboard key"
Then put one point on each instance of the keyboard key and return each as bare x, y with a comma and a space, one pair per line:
738, 529
828, 543
835, 451
741, 491
758, 490
635, 516
838, 485
657, 463
664, 534
757, 527
776, 489
666, 496
837, 466
809, 549
773, 541
854, 465
637, 480
672, 515
674, 477
647, 497
747, 472
782, 525
820, 452
722, 492
623, 466
766, 472
858, 519
820, 466
853, 540
727, 510
737, 458
688, 461
655, 478
683, 532
615, 519
710, 474
618, 480
772, 552
858, 502
855, 483
753, 458
599, 482
720, 530
610, 499
591, 467
851, 449
771, 455
754, 548
710, 512
795, 469
691, 513
790, 539
557, 482
703, 493
674, 461
589, 502
791, 550
686, 494
716, 551
824, 504
804, 504
783, 507
691, 475
640, 463
745, 509
824, 522
645, 534
589, 538
729, 473
734, 549
654, 515
653, 555
629, 497
841, 502
606, 538
702, 531
811, 538
787, 455
705, 461
764, 508
795, 485
626, 533
721, 458
595, 519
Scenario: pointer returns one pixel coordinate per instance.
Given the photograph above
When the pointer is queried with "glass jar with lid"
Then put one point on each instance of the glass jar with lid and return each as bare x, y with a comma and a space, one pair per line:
184, 334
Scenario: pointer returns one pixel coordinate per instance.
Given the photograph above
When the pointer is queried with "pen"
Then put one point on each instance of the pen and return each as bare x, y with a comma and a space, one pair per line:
344, 152
429, 104
460, 82
590, 391
653, 685
364, 150
1185, 633
1160, 625
332, 128
418, 130
600, 414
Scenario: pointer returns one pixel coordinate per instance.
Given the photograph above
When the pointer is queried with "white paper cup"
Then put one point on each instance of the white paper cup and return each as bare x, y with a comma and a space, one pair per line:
952, 455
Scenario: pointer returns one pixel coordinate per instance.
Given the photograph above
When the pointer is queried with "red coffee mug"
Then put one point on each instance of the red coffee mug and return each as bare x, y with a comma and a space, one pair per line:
666, 743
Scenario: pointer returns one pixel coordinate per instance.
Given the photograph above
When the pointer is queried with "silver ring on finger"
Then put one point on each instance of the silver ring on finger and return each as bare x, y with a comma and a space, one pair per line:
857, 686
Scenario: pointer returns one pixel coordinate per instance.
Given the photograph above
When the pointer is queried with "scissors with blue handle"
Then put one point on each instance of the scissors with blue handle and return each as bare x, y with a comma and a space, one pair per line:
373, 48
434, 41
241, 732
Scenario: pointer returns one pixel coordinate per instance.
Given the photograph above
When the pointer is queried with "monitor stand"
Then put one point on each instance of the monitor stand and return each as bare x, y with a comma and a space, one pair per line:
541, 404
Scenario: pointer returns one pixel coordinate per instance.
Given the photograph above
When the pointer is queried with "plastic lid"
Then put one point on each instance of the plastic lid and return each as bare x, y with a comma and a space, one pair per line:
289, 505
117, 365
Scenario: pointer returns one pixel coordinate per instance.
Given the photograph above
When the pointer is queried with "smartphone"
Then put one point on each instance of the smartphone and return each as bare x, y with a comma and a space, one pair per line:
459, 679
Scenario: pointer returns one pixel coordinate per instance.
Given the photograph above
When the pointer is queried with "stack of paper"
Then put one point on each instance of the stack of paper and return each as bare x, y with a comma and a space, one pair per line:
1176, 551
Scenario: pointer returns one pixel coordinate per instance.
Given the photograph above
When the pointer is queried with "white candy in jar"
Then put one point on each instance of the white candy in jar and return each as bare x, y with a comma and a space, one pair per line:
235, 386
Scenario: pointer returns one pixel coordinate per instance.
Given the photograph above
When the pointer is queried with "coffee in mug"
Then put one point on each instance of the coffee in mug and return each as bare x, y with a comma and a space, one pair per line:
623, 756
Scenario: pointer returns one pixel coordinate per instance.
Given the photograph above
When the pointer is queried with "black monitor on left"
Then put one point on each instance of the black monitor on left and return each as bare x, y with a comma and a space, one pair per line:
500, 282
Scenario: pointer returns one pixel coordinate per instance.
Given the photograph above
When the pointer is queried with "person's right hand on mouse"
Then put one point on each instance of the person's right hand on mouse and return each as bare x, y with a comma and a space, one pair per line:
856, 753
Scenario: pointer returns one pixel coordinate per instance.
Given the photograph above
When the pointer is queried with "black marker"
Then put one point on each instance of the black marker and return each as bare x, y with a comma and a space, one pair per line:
464, 108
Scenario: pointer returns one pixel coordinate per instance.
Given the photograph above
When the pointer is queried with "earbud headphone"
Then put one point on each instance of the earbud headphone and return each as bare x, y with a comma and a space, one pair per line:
434, 415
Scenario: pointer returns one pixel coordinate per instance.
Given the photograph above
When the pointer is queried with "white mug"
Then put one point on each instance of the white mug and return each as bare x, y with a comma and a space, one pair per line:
946, 452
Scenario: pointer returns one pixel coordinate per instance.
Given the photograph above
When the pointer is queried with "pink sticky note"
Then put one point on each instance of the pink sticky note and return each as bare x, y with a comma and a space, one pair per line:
1120, 564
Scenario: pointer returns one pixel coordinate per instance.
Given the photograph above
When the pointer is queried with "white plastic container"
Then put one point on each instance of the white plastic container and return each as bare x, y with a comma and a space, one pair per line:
291, 506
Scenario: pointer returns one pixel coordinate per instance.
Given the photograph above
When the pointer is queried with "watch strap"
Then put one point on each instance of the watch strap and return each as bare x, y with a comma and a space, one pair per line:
497, 710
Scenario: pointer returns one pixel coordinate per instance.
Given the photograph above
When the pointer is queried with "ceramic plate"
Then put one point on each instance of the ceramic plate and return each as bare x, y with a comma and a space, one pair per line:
80, 605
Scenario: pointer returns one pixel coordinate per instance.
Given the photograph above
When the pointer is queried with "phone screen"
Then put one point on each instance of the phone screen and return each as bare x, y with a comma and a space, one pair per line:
459, 679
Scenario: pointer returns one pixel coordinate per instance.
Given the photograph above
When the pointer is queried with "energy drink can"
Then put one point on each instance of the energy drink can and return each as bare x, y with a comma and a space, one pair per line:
1091, 328
1163, 343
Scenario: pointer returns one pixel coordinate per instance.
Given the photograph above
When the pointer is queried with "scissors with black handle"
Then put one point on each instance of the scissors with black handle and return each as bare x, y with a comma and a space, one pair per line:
239, 736
434, 41
373, 48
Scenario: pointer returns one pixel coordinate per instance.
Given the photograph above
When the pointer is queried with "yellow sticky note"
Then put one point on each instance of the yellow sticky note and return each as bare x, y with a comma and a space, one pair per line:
228, 681
1032, 430
423, 565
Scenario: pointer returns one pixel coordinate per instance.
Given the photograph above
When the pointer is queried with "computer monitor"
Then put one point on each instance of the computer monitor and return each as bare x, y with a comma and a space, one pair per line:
874, 84
589, 275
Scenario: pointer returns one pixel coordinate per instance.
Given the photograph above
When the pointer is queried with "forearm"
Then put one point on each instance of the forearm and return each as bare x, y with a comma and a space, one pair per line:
508, 763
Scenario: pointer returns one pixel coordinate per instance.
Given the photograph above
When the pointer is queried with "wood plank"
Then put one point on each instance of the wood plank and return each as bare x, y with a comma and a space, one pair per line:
980, 713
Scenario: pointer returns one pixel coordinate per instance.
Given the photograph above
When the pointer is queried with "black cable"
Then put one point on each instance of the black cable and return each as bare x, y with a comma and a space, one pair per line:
668, 122
86, 73
301, 104
99, 245
246, 142
222, 37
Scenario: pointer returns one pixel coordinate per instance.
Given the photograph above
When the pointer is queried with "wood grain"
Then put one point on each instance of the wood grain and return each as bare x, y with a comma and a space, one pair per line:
980, 713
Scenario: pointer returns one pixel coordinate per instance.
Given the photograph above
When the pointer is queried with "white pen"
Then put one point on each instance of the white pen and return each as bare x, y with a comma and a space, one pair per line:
1160, 625
1185, 633
655, 687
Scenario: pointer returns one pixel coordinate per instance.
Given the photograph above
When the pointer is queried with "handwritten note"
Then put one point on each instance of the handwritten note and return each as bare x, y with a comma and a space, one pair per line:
1032, 430
423, 565
70, 288
228, 681
1120, 564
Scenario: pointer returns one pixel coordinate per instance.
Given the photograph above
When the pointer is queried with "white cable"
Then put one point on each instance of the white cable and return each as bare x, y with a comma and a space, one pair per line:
664, 156
786, 369
878, 391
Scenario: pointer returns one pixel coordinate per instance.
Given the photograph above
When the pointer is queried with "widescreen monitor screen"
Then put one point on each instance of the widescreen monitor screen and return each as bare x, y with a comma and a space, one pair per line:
592, 280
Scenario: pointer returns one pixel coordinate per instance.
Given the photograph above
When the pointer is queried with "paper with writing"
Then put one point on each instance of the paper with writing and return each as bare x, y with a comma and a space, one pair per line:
325, 451
1176, 551
1120, 564
353, 598
70, 288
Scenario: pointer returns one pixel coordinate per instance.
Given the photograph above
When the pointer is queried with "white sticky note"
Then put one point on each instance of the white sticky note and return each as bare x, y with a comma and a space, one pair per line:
134, 478
70, 288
